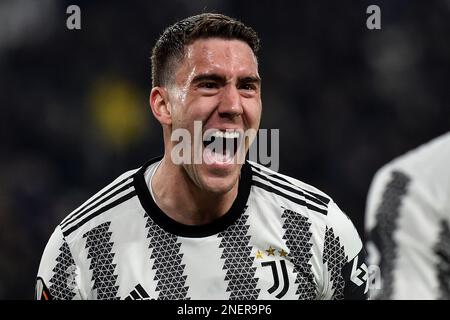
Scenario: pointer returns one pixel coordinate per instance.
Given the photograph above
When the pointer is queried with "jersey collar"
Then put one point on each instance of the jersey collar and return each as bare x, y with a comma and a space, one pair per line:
192, 231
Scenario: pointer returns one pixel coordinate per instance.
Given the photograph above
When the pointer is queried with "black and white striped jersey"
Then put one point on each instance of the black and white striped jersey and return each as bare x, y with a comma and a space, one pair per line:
281, 239
407, 224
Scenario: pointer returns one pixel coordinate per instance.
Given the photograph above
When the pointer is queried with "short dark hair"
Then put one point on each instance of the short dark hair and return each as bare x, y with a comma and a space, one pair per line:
169, 49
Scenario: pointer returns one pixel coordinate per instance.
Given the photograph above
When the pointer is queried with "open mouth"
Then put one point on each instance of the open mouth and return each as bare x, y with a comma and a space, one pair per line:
221, 146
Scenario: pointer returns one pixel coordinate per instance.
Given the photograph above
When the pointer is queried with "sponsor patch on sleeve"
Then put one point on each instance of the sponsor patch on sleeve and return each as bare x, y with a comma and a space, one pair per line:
41, 291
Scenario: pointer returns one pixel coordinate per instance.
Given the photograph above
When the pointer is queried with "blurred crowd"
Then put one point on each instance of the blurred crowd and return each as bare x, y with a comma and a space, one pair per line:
75, 114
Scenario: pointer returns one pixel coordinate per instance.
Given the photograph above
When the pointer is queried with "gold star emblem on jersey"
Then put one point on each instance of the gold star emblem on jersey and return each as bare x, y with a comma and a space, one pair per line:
259, 255
275, 252
282, 253
270, 251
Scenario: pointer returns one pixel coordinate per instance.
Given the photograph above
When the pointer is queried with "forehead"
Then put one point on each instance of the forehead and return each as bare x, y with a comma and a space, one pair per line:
222, 56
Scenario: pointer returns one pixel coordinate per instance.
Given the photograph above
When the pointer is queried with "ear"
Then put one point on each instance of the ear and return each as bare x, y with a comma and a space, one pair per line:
159, 102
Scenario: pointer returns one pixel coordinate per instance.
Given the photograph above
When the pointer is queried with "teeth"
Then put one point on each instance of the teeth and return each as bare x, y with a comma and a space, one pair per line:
231, 135
226, 134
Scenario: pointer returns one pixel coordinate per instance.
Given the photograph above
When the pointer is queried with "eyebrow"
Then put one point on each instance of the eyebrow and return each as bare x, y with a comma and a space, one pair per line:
251, 79
222, 80
209, 77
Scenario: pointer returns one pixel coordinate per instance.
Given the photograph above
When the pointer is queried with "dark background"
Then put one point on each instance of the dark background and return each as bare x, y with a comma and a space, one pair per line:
75, 114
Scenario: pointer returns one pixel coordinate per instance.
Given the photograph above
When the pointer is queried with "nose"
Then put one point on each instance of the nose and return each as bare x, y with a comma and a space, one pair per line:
230, 105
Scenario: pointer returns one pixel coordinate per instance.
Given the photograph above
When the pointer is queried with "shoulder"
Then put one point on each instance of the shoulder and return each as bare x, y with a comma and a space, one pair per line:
102, 203
311, 202
426, 162
421, 173
288, 187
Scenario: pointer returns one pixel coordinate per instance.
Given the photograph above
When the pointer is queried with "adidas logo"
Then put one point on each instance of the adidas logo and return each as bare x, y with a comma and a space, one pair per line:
138, 293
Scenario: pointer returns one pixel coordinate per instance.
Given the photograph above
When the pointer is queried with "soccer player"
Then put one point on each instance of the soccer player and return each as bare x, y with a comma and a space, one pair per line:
180, 227
407, 224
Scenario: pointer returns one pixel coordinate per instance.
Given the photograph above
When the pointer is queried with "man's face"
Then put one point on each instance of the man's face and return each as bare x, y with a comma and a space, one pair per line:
216, 83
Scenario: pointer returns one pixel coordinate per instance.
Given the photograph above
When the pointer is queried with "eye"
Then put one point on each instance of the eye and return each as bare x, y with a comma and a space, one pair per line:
247, 86
209, 85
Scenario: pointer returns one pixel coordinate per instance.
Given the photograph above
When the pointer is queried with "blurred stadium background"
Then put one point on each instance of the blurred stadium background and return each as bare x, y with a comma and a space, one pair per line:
74, 110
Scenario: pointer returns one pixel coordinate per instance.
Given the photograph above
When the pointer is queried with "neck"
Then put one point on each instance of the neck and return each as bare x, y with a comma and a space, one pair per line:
183, 201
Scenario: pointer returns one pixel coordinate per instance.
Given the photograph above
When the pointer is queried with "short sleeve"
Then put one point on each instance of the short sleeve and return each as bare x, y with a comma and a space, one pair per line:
57, 274
344, 258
